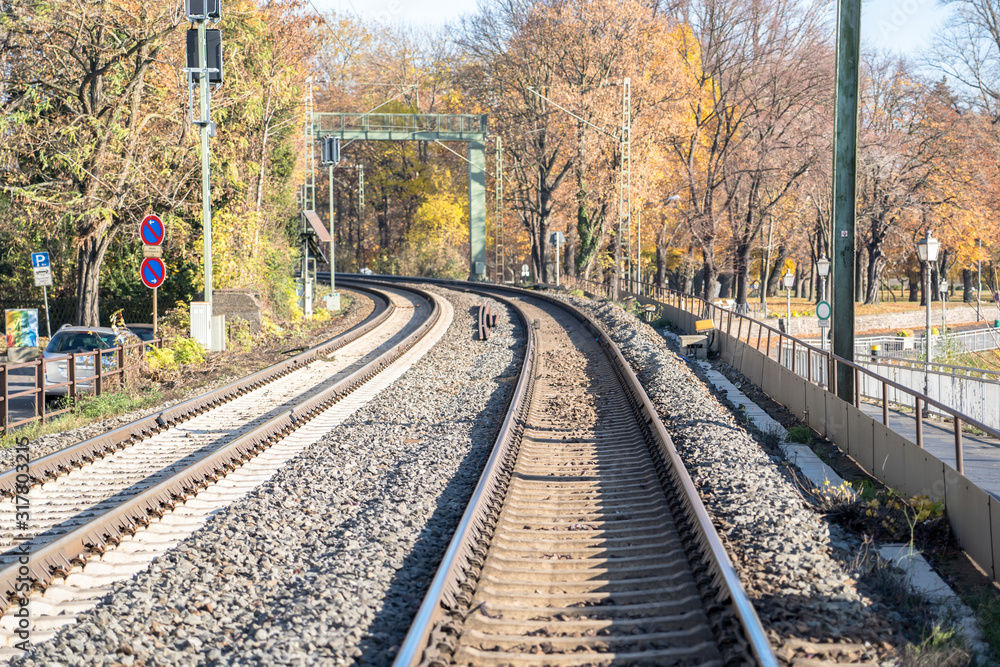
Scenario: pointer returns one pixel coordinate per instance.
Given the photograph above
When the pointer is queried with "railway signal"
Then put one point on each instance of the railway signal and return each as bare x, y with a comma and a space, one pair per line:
204, 69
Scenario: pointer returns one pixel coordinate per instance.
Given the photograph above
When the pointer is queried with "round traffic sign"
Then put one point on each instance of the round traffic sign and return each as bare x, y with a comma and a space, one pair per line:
823, 310
152, 272
151, 230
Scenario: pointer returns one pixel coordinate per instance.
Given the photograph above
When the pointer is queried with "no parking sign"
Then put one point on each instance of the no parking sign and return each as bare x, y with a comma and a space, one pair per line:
152, 272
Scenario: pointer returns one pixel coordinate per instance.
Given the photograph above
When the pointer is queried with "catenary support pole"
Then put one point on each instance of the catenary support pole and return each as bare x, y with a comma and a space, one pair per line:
206, 168
477, 210
844, 190
333, 260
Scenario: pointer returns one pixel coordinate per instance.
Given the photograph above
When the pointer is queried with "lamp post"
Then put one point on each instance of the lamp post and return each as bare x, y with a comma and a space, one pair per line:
789, 280
927, 250
944, 298
823, 269
979, 280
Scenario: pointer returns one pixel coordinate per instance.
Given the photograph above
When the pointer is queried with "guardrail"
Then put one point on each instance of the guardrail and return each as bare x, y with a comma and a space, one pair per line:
121, 358
754, 348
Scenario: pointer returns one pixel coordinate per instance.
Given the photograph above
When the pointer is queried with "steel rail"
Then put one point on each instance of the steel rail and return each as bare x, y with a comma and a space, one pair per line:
62, 461
709, 543
56, 558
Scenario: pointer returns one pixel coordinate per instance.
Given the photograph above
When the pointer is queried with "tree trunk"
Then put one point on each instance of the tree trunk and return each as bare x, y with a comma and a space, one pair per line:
661, 265
967, 288
774, 271
876, 261
725, 285
89, 258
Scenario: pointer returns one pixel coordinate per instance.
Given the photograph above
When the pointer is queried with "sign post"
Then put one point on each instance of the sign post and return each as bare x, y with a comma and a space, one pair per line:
43, 278
152, 272
823, 312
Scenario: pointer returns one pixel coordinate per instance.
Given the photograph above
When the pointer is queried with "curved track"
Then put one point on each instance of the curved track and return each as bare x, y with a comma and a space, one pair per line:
585, 542
107, 500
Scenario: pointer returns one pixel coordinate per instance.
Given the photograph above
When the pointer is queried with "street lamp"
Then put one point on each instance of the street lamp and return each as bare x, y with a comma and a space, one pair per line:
789, 280
823, 268
927, 250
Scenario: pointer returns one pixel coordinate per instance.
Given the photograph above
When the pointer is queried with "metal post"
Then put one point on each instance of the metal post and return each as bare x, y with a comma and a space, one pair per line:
638, 249
557, 261
959, 453
48, 320
844, 189
206, 167
979, 280
928, 345
333, 259
919, 412
944, 323
477, 209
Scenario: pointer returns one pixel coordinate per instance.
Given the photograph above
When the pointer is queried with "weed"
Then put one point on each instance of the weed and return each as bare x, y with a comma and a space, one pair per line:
576, 292
800, 434
160, 358
188, 351
772, 436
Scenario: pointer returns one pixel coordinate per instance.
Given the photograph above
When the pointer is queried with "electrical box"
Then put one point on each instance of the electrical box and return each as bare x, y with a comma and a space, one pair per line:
333, 302
213, 54
202, 9
201, 320
218, 334
308, 303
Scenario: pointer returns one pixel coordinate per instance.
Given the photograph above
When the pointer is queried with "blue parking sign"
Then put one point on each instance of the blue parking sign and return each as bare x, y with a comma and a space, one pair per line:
39, 260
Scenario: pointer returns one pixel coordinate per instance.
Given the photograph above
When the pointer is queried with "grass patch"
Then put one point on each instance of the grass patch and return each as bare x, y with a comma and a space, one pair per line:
88, 409
800, 434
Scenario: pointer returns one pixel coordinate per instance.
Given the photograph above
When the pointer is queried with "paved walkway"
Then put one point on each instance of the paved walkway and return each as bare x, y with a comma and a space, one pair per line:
981, 454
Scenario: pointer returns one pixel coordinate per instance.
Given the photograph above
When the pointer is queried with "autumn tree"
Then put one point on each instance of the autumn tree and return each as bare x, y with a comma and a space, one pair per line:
92, 121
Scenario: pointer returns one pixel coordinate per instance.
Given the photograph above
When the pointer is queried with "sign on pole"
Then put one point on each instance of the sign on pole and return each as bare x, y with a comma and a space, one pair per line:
42, 269
152, 272
823, 310
151, 230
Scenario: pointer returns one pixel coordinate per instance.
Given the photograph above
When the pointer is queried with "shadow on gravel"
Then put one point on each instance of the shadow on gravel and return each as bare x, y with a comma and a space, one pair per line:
407, 589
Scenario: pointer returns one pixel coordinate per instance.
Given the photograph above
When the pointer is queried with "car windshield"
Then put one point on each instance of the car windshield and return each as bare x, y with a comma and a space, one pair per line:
80, 341
142, 332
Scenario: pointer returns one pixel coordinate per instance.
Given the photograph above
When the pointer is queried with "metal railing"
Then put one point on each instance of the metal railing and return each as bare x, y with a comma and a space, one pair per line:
770, 342
107, 363
913, 347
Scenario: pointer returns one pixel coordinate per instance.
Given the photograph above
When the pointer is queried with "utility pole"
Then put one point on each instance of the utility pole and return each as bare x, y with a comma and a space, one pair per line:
361, 210
308, 193
500, 247
625, 184
845, 190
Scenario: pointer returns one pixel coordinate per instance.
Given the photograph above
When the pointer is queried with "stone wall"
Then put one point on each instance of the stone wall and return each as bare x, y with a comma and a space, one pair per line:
242, 303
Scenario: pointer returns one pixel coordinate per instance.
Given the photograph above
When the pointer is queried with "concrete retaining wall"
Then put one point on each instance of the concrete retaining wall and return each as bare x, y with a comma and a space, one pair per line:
973, 514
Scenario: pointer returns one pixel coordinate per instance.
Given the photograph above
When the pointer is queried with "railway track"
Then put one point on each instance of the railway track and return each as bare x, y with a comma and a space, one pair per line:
585, 542
115, 497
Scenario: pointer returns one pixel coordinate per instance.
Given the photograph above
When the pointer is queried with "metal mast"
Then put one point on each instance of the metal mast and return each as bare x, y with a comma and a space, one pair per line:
500, 247
625, 184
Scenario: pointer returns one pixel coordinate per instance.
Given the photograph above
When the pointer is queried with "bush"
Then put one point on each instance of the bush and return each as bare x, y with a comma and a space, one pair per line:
160, 358
187, 351
800, 434
905, 334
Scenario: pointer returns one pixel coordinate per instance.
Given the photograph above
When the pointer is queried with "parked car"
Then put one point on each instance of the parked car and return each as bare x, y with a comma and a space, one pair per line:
70, 339
143, 331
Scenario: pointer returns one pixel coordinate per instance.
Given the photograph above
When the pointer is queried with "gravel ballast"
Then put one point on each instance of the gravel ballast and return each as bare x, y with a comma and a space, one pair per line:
327, 562
794, 565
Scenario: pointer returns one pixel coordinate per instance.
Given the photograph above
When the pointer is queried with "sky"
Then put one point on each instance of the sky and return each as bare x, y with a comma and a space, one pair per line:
900, 25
